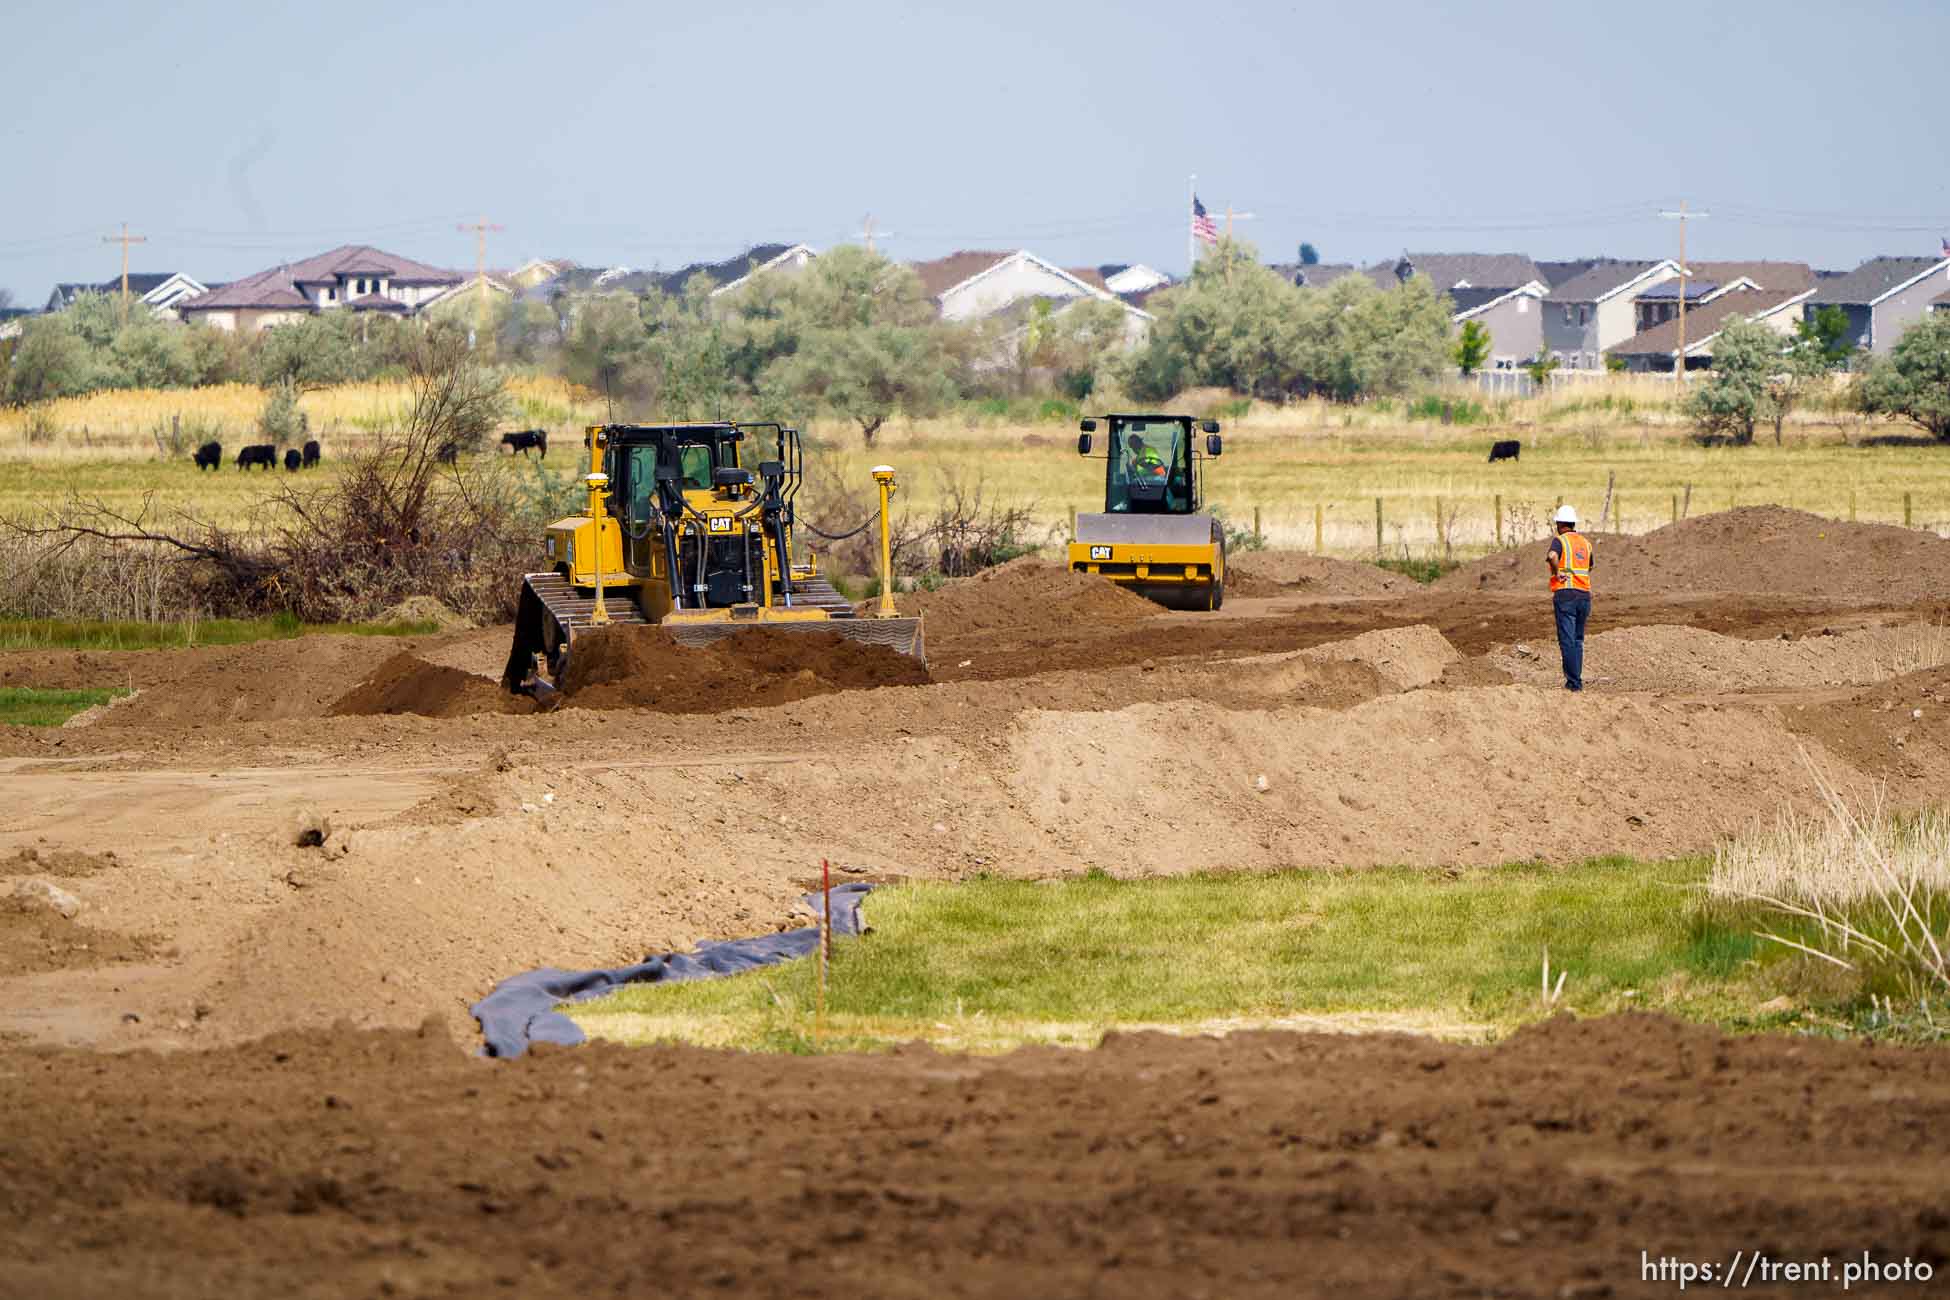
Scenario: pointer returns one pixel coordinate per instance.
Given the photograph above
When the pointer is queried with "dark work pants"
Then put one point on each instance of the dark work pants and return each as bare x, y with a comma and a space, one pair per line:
1572, 609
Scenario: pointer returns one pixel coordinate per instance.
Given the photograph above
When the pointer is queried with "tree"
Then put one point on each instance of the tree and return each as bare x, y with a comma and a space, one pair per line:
1734, 396
1541, 367
52, 360
1828, 331
865, 373
1913, 381
608, 348
1308, 255
1472, 346
315, 352
1230, 326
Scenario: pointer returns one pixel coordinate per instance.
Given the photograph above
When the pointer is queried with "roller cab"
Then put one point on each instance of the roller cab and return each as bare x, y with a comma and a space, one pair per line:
1153, 536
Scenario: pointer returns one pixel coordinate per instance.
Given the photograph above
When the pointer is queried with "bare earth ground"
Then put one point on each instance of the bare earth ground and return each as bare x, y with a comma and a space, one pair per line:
470, 838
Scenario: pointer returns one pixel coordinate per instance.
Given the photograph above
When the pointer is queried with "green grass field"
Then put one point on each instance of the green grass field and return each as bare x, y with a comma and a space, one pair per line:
78, 634
992, 964
27, 706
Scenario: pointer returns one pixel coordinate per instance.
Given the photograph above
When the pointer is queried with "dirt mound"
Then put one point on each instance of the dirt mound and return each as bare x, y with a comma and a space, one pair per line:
645, 668
1754, 549
1693, 659
35, 939
260, 682
407, 683
426, 609
1896, 731
1301, 573
1296, 1165
1024, 593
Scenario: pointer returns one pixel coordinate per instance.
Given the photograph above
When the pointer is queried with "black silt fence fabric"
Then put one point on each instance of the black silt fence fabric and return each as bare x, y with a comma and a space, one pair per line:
521, 1009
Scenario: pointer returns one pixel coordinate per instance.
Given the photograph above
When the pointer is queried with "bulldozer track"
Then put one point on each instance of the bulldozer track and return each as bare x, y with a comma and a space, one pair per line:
572, 610
820, 594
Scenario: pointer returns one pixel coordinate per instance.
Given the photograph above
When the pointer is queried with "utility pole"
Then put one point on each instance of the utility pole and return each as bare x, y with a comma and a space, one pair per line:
125, 239
481, 230
868, 233
1682, 216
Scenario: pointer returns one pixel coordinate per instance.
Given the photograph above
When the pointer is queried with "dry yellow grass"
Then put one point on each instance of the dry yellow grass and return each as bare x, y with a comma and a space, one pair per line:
124, 424
1282, 461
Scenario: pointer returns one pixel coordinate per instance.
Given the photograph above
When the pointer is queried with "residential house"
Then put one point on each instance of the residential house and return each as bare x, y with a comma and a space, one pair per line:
1556, 273
355, 278
1882, 297
1707, 280
465, 301
162, 291
974, 285
1138, 278
1314, 275
1942, 301
537, 270
1591, 313
1656, 349
1514, 318
1459, 270
789, 262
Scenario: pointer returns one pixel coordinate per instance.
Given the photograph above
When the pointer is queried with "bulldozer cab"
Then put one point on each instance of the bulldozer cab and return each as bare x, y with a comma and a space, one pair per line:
1151, 467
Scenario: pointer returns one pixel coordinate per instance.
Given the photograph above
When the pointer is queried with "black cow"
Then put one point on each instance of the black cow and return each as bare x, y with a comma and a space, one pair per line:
522, 440
209, 456
1505, 450
447, 453
294, 460
262, 454
311, 454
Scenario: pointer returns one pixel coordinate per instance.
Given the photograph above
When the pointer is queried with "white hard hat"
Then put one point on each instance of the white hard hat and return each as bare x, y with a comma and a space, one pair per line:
1566, 515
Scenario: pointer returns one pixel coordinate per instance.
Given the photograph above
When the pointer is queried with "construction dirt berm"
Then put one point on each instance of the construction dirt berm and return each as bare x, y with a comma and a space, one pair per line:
688, 529
1154, 537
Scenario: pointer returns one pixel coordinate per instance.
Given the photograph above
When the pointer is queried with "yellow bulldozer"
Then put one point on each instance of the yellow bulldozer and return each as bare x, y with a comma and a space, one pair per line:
1153, 537
689, 529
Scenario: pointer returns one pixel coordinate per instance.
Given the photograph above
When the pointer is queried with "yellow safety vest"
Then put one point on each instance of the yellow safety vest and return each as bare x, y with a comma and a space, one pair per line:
1574, 564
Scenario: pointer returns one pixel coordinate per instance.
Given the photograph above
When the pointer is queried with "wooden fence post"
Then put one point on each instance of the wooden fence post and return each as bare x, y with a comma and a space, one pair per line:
1073, 523
1318, 521
1611, 477
1377, 528
1906, 515
1675, 507
1499, 521
1686, 505
1851, 505
1259, 539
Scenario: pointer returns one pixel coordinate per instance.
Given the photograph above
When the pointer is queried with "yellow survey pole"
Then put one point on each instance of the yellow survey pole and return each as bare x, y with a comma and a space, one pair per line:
597, 481
884, 476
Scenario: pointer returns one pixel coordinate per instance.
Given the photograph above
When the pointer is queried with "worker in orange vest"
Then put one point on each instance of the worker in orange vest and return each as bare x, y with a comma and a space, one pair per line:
1570, 565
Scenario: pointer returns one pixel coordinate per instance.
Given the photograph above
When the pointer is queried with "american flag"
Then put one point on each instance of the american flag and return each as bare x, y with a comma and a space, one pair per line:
1203, 227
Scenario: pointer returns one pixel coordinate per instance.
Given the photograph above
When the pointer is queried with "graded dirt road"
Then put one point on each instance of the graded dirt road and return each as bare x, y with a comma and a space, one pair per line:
1059, 726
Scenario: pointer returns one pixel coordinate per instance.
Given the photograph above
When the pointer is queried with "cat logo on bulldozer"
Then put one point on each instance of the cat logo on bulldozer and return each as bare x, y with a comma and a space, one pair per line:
1100, 552
721, 523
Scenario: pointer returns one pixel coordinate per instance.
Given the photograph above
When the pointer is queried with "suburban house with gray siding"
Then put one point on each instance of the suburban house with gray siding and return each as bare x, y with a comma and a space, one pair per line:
1589, 314
1882, 297
1514, 318
1656, 350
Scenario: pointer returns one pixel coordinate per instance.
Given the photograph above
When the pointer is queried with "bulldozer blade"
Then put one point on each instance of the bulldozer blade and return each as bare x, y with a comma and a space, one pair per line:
902, 635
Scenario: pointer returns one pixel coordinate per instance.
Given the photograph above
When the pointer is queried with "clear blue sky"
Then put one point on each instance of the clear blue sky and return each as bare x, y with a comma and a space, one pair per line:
653, 134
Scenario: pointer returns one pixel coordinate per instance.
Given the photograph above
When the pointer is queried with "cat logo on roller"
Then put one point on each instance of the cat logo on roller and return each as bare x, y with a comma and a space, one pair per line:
1153, 537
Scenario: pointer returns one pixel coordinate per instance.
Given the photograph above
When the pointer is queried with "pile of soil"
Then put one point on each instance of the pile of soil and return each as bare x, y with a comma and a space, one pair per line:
1694, 659
406, 683
1296, 1165
1896, 732
36, 939
645, 668
1753, 549
1302, 573
260, 682
1025, 593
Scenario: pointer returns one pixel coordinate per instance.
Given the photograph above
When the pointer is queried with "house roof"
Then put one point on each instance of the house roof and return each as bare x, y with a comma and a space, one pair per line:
1696, 289
806, 251
1941, 300
1704, 322
1767, 275
1317, 276
1556, 273
275, 287
376, 302
1875, 280
1470, 302
1090, 275
723, 272
1604, 280
944, 273
1462, 270
140, 283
